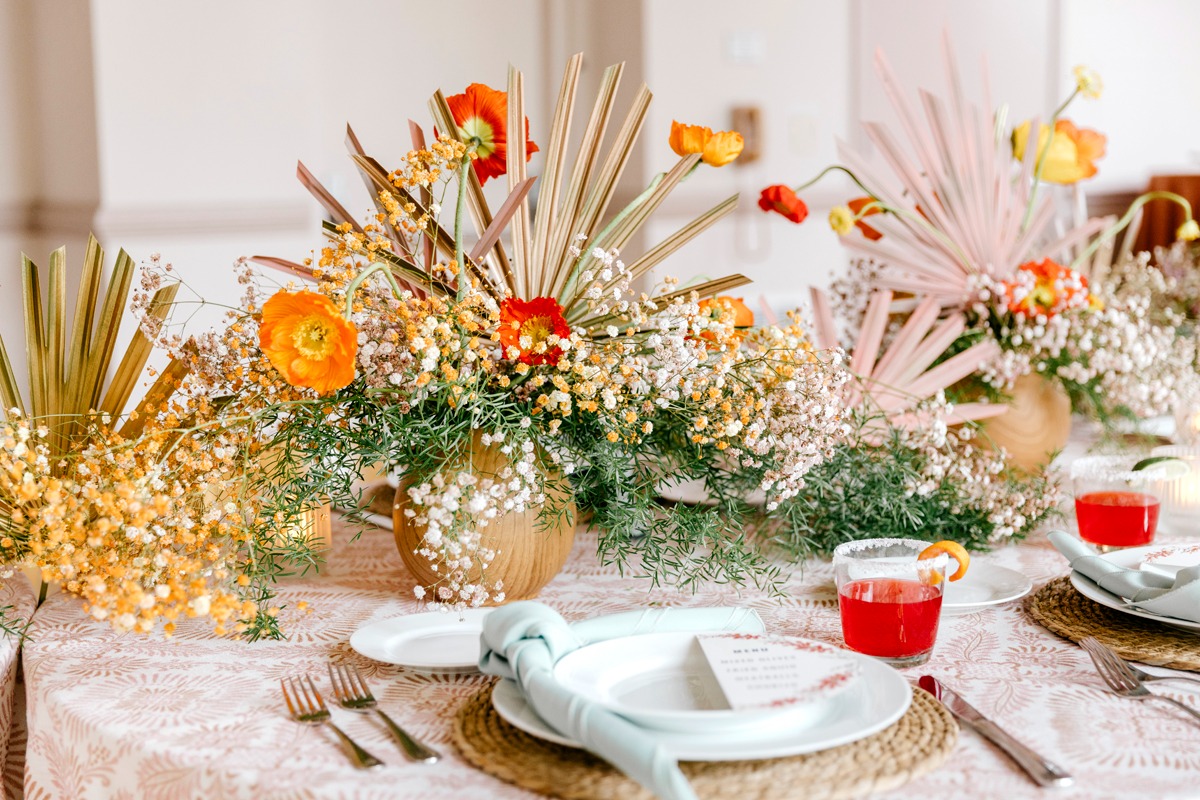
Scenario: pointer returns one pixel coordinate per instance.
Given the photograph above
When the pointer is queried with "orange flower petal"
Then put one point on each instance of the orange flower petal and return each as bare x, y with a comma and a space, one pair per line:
308, 341
723, 148
688, 139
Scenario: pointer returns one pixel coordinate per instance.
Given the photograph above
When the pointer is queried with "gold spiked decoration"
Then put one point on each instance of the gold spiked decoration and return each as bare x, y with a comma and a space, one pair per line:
69, 370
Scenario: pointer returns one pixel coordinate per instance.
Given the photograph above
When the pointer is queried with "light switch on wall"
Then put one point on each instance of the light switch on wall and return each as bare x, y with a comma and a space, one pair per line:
746, 47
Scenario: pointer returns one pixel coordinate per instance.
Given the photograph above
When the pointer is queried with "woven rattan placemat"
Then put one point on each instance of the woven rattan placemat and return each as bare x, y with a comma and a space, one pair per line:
918, 743
1063, 610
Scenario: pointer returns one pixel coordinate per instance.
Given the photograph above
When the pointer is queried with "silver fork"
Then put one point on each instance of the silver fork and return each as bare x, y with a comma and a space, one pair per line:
1141, 675
352, 693
1120, 678
307, 706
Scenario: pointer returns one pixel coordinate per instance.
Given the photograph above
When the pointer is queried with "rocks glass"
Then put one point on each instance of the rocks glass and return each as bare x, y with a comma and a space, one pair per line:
889, 601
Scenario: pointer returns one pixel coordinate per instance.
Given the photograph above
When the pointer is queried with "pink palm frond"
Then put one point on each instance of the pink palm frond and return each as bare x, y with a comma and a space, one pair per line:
897, 378
962, 206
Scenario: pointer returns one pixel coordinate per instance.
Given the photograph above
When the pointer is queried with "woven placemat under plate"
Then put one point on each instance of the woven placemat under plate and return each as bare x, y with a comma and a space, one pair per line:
1063, 610
918, 743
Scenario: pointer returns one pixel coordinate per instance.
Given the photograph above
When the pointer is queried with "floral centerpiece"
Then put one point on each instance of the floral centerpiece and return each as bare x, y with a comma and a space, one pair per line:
964, 221
525, 382
517, 372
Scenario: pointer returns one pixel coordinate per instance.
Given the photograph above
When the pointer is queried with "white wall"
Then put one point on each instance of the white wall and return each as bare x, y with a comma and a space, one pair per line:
1146, 52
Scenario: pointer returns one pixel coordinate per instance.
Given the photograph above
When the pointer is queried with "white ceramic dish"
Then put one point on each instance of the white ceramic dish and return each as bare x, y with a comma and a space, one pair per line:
876, 700
984, 585
433, 642
1130, 558
664, 681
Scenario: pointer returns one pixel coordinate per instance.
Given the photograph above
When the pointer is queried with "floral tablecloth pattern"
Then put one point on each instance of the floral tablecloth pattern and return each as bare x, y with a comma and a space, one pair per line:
18, 598
197, 716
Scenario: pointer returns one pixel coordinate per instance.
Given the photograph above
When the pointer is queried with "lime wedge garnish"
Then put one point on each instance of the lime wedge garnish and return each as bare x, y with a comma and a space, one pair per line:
1170, 467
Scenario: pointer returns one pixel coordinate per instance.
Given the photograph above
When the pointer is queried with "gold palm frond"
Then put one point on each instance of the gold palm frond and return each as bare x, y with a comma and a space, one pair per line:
575, 201
69, 382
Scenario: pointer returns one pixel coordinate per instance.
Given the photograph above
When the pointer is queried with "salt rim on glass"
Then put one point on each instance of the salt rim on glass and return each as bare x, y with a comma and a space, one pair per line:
886, 566
1116, 468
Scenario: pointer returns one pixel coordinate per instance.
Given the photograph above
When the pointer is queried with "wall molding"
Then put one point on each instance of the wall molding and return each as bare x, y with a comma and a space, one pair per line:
38, 217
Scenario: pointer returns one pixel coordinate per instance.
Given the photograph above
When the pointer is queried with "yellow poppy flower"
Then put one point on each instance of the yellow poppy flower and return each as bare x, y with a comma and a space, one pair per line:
1072, 155
841, 219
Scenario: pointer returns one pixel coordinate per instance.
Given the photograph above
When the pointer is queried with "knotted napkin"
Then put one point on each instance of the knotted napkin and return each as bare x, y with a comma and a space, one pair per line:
523, 641
1147, 591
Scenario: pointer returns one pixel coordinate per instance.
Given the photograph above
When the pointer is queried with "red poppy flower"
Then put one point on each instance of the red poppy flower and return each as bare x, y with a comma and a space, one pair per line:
782, 200
857, 205
482, 116
527, 326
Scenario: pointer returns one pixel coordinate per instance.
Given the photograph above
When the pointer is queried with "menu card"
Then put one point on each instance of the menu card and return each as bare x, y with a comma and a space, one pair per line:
765, 672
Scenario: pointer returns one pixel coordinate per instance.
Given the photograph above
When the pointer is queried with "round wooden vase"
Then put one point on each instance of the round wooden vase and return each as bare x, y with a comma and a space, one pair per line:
1037, 423
528, 556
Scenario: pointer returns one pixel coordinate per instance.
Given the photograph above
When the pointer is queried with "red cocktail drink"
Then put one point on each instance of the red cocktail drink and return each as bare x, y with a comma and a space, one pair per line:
1117, 518
890, 617
890, 598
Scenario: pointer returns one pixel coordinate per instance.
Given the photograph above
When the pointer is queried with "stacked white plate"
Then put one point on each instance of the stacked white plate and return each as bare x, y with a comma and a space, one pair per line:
1163, 559
663, 683
437, 642
985, 585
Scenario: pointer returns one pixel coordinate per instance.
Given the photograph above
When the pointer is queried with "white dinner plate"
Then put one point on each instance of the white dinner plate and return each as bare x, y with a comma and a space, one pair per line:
1168, 559
876, 700
984, 585
434, 642
1129, 558
664, 681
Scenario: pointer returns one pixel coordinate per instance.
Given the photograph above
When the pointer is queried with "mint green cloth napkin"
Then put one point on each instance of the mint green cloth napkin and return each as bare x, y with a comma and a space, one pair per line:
1146, 591
523, 642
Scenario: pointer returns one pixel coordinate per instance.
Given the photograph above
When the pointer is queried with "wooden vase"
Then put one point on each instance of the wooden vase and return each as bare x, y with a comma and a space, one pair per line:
1037, 423
528, 556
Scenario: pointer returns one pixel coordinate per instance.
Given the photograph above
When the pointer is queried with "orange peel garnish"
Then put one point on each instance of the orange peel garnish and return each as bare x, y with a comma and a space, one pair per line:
953, 549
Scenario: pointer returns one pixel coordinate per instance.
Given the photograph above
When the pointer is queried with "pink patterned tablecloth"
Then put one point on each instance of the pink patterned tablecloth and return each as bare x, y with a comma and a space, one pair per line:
198, 716
18, 599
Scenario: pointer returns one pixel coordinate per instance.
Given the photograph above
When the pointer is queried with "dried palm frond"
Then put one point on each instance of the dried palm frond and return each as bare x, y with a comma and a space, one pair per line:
962, 211
904, 374
541, 258
69, 382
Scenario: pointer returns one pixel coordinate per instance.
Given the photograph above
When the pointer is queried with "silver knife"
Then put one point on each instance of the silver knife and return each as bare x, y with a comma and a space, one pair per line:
1043, 771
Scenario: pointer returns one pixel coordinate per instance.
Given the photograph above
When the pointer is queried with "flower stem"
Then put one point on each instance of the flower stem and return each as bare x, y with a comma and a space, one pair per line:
1042, 156
829, 169
1124, 221
360, 278
459, 251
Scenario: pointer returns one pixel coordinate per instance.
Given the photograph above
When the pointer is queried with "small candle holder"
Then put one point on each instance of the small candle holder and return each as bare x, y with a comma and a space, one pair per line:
1187, 426
1181, 497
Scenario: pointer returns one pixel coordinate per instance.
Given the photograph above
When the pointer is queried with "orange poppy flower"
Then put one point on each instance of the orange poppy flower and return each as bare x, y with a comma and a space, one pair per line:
716, 149
1072, 155
857, 205
782, 200
308, 341
1046, 287
527, 326
718, 308
482, 117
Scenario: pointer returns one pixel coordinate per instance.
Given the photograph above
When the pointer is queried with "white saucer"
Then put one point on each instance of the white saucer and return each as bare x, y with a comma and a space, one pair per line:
876, 700
984, 585
434, 642
1129, 558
